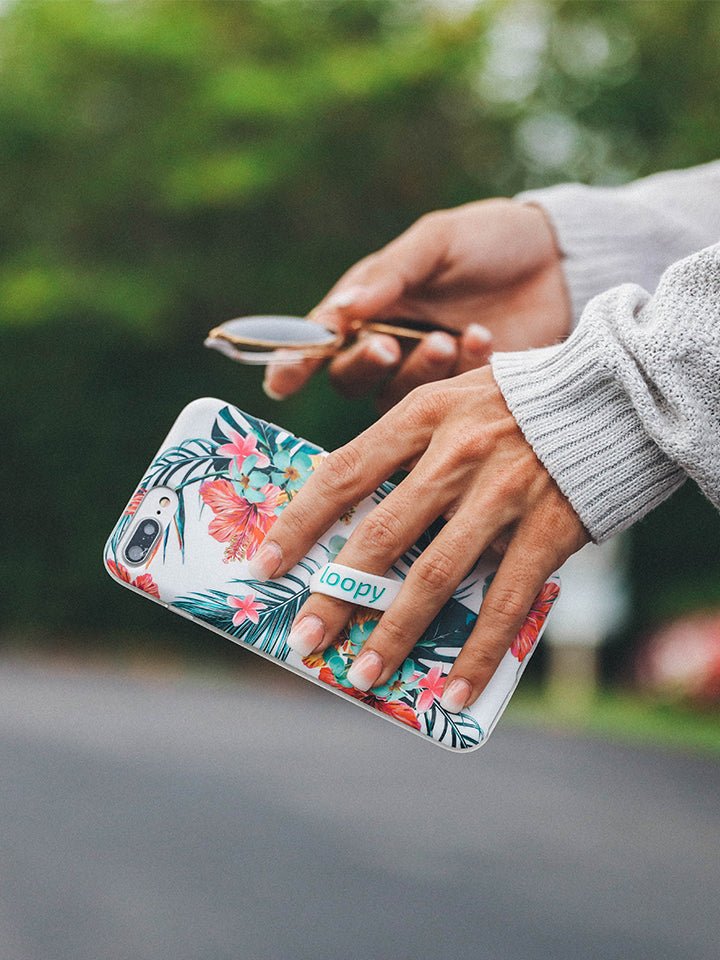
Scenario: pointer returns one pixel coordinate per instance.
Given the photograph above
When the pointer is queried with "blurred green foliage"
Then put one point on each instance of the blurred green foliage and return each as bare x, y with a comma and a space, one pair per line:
170, 164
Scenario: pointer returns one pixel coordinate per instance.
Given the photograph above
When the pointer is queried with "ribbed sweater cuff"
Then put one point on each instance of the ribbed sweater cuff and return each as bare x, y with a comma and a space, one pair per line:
585, 431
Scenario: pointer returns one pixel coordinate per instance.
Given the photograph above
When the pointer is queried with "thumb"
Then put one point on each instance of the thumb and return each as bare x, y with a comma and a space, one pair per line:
376, 285
348, 306
344, 309
373, 287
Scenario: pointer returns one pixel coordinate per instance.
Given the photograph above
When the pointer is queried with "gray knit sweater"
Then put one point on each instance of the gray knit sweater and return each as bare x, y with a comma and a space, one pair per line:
629, 405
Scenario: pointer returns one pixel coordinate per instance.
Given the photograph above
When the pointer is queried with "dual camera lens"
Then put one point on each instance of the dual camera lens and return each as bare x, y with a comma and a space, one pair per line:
150, 521
142, 541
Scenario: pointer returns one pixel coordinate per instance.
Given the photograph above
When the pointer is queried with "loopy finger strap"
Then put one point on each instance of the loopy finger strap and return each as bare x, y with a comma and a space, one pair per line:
355, 586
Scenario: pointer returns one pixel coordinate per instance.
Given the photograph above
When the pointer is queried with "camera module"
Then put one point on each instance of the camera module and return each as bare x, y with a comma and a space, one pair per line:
142, 541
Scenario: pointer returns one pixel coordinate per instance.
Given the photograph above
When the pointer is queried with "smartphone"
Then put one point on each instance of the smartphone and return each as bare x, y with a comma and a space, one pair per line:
200, 512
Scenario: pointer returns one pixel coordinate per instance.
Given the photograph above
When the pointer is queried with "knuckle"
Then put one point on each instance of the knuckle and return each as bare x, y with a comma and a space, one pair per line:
341, 469
466, 446
434, 573
505, 607
366, 269
466, 449
382, 529
293, 523
431, 224
480, 661
425, 405
361, 271
394, 636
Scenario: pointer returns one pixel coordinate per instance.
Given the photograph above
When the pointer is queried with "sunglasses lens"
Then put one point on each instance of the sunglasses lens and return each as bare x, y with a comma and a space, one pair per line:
273, 332
261, 340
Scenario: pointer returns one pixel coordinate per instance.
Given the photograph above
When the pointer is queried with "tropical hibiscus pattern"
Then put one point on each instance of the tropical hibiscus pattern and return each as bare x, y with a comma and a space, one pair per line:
240, 522
530, 630
232, 475
142, 581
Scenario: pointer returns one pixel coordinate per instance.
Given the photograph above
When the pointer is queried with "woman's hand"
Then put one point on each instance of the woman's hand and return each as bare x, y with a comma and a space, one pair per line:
490, 271
471, 465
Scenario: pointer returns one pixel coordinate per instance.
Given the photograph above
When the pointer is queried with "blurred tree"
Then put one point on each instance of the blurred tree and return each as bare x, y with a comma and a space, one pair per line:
167, 165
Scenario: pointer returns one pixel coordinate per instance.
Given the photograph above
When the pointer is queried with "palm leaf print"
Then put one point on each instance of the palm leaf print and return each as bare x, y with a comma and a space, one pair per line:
280, 601
189, 461
445, 636
452, 729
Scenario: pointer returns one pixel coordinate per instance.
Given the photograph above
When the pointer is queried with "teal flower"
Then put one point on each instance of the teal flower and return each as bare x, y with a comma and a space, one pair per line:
336, 663
359, 632
403, 680
335, 545
291, 470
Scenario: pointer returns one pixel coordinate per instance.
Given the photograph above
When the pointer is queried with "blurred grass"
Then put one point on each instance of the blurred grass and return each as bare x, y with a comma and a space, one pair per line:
620, 717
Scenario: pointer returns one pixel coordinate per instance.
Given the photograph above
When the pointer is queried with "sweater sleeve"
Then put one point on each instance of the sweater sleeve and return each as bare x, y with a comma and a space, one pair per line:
631, 233
629, 405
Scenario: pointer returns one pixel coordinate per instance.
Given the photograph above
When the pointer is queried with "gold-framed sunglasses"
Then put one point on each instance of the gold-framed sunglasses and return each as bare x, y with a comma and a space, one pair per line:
281, 339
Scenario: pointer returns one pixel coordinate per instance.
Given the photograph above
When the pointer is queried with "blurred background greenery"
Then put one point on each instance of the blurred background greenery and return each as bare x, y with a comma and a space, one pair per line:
167, 165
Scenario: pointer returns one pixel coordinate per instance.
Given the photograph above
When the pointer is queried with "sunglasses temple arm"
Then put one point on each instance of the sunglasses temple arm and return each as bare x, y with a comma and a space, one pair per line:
404, 330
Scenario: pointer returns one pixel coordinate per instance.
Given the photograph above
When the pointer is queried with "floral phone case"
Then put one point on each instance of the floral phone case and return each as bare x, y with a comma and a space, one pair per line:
217, 485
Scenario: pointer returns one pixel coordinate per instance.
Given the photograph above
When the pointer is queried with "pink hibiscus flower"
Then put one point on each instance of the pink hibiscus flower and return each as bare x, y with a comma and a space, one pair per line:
432, 687
240, 448
247, 608
238, 522
530, 630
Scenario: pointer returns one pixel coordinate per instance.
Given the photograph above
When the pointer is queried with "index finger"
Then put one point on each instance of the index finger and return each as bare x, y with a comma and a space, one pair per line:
375, 286
344, 478
282, 379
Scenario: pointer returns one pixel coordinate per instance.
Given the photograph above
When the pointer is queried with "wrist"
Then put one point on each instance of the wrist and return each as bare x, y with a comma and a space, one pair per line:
542, 233
584, 429
546, 228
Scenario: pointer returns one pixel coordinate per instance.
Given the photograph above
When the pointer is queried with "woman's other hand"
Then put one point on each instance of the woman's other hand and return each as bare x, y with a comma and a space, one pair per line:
489, 271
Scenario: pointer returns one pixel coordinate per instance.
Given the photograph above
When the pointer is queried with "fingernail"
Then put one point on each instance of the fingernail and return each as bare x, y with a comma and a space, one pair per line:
273, 394
381, 351
441, 344
365, 670
284, 368
343, 298
266, 561
306, 634
477, 339
455, 696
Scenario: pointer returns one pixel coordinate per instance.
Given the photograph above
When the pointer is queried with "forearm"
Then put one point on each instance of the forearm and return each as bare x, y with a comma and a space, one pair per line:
629, 405
630, 233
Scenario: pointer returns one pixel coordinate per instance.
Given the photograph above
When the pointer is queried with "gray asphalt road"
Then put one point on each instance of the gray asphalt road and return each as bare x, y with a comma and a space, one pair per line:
196, 820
